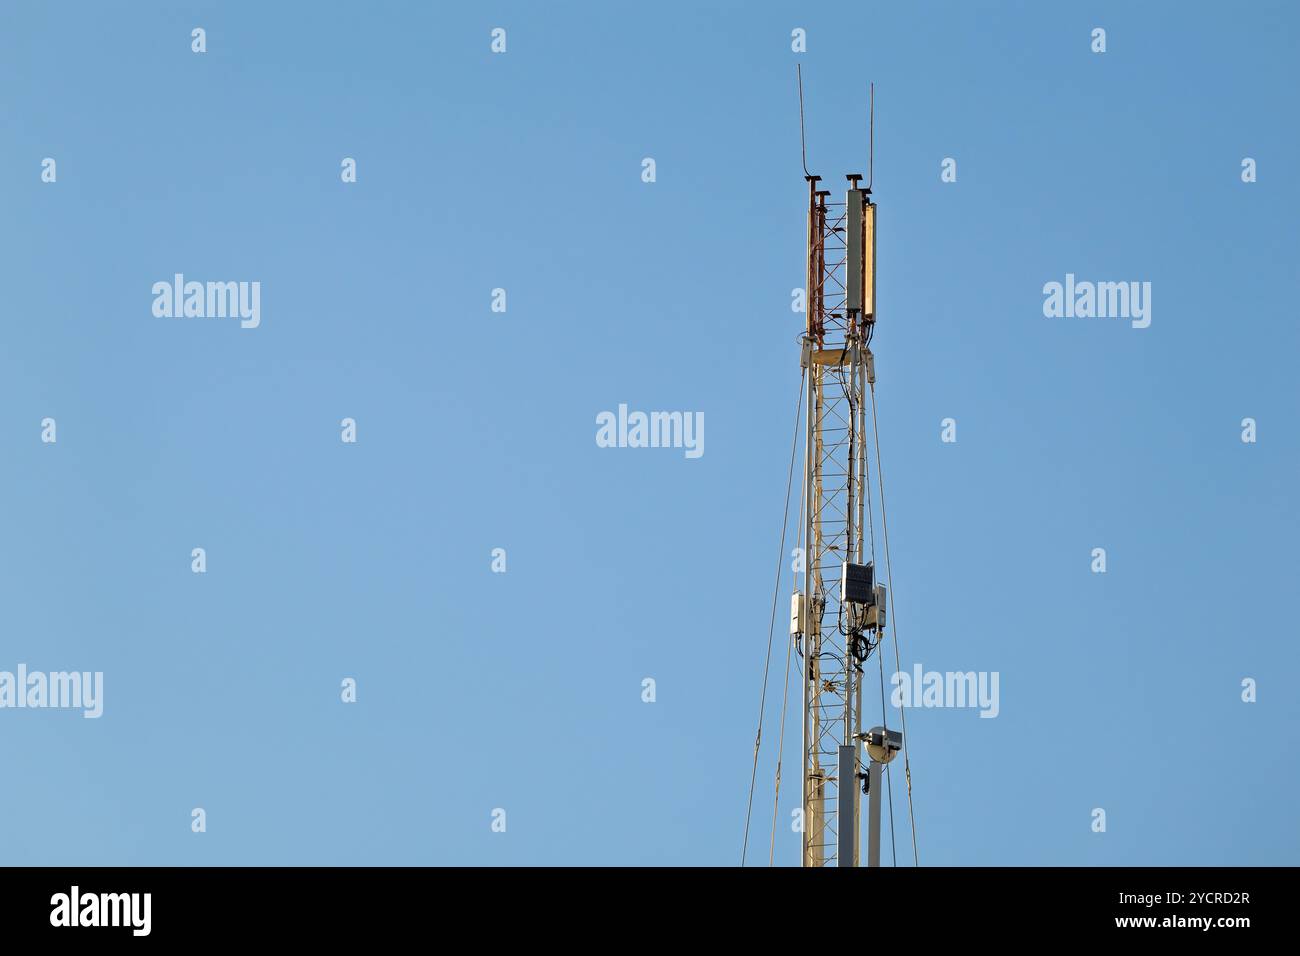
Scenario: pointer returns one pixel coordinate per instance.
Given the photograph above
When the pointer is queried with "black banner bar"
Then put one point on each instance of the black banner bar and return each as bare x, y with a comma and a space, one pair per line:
93, 905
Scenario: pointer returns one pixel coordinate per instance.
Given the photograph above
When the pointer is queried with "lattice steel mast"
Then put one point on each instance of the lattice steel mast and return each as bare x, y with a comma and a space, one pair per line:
838, 616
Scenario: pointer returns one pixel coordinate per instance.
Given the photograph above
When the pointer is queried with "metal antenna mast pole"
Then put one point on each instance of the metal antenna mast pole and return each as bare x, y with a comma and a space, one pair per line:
836, 626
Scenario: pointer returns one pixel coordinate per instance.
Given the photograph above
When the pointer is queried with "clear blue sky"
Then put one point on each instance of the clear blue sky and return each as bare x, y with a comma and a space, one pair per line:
476, 429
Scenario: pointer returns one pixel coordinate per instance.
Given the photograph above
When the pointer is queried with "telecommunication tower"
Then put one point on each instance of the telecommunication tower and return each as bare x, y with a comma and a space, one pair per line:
838, 610
838, 614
